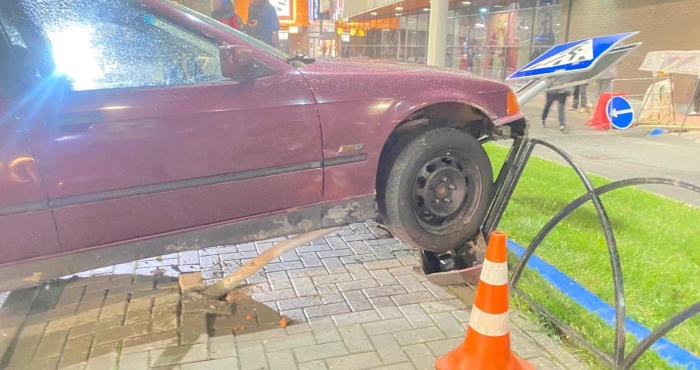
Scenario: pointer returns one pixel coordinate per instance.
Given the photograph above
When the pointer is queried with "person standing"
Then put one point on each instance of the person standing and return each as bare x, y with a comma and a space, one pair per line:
559, 96
263, 21
581, 97
224, 12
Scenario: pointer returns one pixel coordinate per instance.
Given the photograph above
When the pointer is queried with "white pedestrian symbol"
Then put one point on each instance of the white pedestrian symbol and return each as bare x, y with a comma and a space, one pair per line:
579, 53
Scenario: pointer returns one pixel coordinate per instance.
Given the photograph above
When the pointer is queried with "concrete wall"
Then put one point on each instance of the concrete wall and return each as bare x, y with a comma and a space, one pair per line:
663, 25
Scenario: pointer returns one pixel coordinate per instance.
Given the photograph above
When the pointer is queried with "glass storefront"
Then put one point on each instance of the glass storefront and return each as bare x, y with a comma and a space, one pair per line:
378, 39
489, 39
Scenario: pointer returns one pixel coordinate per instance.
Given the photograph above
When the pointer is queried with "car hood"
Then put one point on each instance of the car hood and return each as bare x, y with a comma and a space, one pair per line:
343, 80
376, 67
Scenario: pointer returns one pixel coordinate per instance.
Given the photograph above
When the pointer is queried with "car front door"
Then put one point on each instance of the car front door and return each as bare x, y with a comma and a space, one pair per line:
27, 228
137, 133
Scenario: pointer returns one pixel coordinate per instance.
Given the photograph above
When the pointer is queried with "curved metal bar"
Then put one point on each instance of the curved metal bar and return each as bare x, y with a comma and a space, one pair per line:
619, 289
653, 336
659, 332
619, 361
581, 201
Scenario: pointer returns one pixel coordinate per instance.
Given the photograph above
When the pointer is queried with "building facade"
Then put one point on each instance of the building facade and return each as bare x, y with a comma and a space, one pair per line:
662, 25
492, 38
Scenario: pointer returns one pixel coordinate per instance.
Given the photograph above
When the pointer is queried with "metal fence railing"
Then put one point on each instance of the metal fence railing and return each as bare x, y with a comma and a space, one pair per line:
507, 182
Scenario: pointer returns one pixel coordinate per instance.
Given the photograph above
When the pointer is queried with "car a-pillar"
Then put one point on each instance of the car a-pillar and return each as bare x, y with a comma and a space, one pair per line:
435, 180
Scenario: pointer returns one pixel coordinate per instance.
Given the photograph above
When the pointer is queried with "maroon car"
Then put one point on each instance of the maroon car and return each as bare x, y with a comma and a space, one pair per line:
131, 129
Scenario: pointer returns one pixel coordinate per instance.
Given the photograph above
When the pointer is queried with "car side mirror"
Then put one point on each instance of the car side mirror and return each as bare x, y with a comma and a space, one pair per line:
237, 62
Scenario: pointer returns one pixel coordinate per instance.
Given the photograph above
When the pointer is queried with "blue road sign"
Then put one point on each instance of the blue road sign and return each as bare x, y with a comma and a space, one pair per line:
620, 112
575, 56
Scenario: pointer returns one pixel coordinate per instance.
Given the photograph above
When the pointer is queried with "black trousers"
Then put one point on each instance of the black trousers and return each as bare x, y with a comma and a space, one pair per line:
551, 98
580, 96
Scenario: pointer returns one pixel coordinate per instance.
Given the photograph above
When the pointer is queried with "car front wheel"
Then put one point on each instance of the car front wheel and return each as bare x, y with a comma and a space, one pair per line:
438, 190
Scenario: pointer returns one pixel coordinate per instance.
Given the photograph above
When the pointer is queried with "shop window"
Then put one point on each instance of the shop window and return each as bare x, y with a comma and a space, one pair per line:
547, 27
452, 45
491, 39
475, 47
420, 44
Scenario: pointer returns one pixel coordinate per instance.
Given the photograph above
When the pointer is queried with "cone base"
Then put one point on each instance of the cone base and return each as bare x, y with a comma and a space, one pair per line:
458, 359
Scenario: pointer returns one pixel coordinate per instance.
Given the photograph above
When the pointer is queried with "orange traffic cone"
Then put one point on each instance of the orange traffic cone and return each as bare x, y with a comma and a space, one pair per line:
487, 345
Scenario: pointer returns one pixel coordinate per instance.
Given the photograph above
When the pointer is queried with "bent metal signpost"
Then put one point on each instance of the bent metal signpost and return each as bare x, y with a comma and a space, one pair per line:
570, 64
572, 57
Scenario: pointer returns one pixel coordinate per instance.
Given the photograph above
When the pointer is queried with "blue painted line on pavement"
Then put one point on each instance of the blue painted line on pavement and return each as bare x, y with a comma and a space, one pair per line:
671, 352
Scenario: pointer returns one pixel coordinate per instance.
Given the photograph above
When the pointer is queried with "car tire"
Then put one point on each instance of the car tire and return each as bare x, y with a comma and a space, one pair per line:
437, 190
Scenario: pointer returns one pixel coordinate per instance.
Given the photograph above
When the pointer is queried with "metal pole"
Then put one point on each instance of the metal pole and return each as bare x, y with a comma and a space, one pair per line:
506, 182
673, 99
692, 100
645, 99
231, 281
533, 91
568, 20
437, 32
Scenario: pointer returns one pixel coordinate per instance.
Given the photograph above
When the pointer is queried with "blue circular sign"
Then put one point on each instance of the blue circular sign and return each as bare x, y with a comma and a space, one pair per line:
620, 112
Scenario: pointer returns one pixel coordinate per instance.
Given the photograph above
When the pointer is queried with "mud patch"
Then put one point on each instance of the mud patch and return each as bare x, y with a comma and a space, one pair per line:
237, 313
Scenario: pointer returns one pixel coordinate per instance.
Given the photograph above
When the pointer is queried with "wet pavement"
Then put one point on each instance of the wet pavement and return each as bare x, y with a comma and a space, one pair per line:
620, 155
355, 300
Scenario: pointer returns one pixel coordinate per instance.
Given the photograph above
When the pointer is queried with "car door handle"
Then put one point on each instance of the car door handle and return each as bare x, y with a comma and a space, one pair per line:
74, 121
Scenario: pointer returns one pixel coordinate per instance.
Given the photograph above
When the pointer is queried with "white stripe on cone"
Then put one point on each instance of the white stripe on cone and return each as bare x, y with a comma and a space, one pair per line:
493, 273
488, 324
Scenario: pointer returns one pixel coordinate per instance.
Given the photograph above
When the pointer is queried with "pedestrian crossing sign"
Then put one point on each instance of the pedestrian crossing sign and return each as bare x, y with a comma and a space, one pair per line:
571, 57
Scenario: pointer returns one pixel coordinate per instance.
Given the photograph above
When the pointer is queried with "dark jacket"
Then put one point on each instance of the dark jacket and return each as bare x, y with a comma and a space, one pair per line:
268, 22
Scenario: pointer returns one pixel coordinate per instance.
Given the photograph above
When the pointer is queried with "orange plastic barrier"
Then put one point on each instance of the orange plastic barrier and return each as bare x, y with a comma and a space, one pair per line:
600, 118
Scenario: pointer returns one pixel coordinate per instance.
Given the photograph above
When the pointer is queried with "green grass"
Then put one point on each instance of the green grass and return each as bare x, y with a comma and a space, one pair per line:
658, 239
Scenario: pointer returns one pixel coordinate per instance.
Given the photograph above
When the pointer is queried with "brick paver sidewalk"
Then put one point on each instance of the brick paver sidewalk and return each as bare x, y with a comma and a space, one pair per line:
357, 298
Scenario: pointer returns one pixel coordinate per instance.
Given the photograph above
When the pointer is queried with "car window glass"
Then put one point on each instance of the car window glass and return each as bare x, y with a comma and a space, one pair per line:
3, 99
247, 38
107, 44
4, 103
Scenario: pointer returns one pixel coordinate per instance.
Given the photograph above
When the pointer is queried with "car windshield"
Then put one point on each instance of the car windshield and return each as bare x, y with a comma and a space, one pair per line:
247, 38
